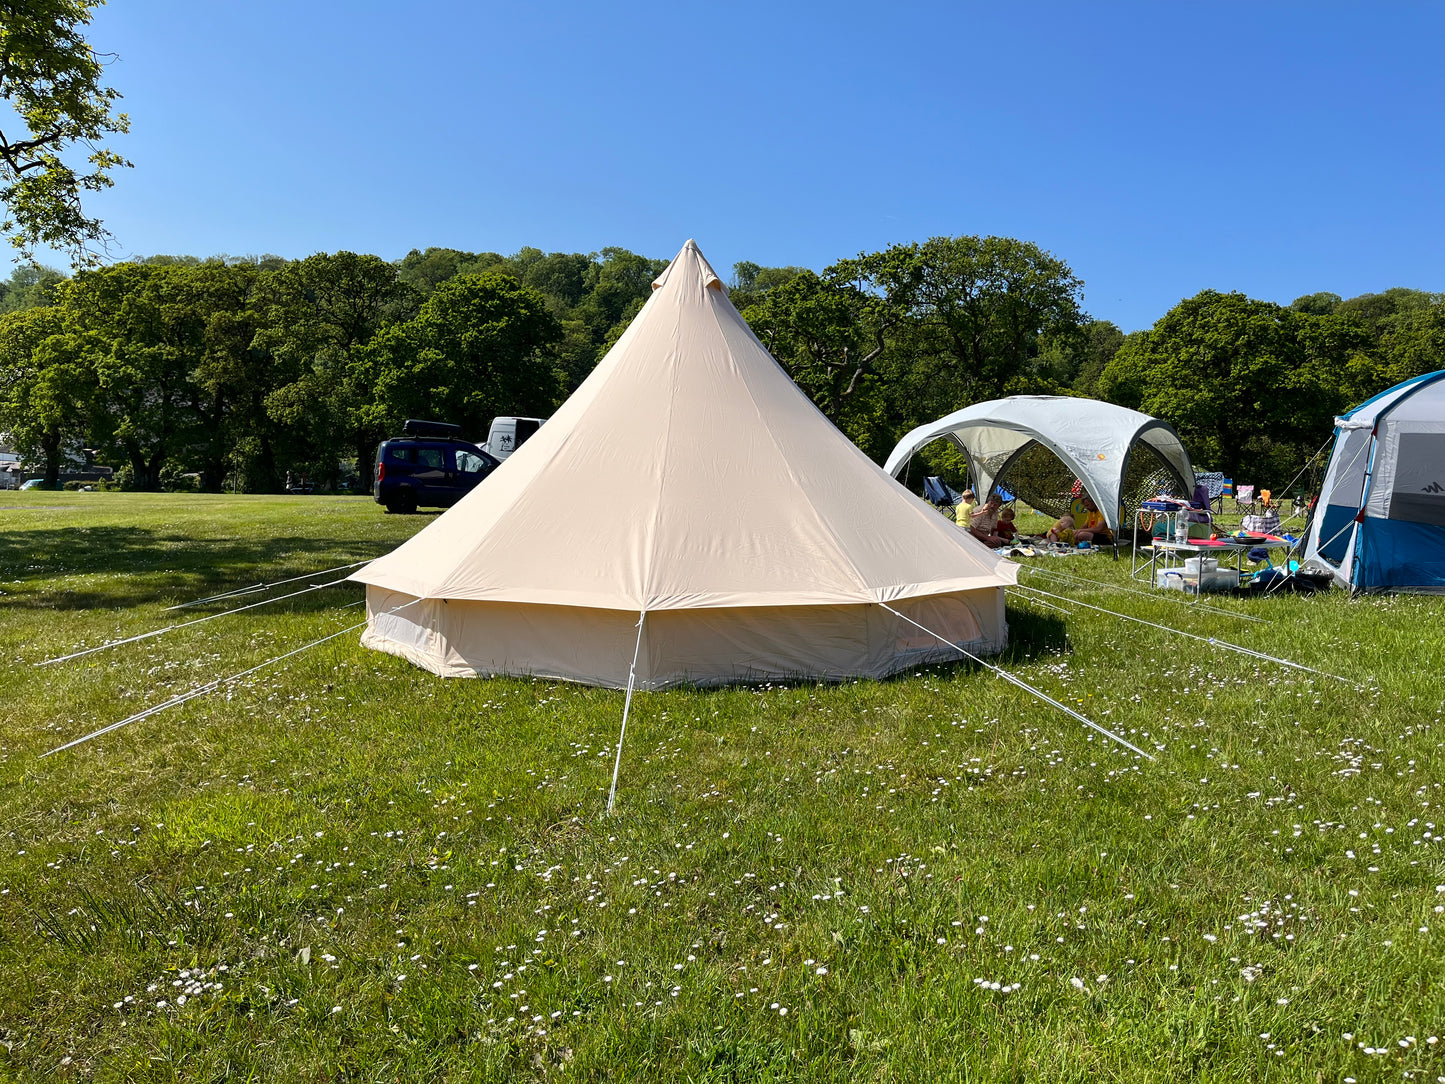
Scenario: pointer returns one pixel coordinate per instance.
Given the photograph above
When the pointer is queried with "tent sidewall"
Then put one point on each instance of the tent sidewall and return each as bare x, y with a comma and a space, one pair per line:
704, 647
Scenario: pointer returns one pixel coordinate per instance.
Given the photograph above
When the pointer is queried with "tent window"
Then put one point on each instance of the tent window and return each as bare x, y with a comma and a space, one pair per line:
1354, 459
1419, 493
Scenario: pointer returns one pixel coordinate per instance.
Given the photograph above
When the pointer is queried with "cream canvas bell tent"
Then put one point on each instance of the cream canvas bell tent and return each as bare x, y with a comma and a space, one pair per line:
688, 507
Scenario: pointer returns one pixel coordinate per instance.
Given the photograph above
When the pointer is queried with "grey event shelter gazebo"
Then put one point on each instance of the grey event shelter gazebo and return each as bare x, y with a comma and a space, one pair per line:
1099, 444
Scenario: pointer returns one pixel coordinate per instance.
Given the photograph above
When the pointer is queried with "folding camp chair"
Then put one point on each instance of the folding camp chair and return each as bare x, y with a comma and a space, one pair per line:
938, 493
1217, 501
1244, 500
1213, 483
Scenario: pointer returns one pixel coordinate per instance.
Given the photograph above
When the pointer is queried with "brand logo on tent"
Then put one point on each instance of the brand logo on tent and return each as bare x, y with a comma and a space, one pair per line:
1433, 487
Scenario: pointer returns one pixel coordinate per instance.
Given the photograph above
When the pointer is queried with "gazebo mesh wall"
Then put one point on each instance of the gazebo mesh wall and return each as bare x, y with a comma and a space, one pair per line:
1041, 480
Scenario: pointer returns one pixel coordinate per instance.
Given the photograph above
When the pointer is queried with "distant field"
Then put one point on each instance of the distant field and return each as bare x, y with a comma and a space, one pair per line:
344, 868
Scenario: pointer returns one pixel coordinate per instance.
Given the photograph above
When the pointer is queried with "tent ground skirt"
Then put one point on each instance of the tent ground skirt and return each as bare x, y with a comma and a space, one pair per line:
458, 638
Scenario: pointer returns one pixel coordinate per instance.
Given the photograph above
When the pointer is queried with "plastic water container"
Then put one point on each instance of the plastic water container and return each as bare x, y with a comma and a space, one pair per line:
1193, 566
1221, 579
1181, 528
1174, 579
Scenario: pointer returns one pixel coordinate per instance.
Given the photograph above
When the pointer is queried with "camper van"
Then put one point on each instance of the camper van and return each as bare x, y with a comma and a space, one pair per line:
509, 434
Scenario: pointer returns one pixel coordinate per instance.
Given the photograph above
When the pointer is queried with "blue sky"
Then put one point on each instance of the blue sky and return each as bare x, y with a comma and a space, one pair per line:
1160, 149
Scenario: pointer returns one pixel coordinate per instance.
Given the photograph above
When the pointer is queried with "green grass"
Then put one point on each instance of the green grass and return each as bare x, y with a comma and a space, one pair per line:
368, 873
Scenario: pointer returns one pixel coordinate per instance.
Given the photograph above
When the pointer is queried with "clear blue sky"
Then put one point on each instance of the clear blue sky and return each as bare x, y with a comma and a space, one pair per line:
1159, 148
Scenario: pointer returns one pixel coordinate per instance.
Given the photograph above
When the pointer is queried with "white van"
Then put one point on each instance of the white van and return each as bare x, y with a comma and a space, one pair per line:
509, 434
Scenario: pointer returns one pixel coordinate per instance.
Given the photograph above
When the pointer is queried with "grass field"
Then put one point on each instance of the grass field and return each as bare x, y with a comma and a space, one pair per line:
343, 868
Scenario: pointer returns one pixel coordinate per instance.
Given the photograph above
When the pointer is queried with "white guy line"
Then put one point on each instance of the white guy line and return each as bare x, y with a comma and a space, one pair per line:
1021, 684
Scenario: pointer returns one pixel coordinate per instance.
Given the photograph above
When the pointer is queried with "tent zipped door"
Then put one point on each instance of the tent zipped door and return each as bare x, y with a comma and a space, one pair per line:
1357, 541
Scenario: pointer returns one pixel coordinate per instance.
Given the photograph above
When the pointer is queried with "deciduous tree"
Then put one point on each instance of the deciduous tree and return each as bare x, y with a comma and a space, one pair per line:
978, 311
830, 335
53, 80
31, 285
47, 385
146, 337
1251, 386
480, 346
319, 314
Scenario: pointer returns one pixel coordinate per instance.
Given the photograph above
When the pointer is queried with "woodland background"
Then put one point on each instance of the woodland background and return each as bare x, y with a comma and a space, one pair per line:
228, 372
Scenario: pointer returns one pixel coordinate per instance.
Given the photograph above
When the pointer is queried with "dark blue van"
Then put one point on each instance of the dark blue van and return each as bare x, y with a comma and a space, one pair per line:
429, 466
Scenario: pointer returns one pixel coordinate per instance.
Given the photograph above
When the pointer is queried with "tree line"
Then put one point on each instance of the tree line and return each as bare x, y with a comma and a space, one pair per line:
235, 371
892, 339
240, 370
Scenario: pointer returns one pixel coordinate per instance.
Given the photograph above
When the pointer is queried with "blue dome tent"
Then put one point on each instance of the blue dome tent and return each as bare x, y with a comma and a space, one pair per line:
1379, 524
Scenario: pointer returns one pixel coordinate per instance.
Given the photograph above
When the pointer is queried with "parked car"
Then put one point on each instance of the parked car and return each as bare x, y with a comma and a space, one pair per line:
33, 483
509, 434
429, 466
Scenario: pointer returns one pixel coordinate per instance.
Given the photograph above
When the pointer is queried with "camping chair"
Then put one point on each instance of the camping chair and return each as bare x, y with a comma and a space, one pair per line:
1200, 507
937, 493
1217, 502
1266, 499
1212, 481
1244, 500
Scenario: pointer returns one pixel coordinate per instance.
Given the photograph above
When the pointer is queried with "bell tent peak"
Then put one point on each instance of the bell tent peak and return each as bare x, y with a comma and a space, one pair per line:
690, 265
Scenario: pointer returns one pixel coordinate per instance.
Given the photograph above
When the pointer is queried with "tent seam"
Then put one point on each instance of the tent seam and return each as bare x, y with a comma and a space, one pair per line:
859, 579
645, 602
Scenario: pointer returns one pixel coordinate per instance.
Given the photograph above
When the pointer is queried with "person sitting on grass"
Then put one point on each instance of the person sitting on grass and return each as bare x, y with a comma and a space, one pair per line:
1006, 528
983, 525
1063, 530
1093, 529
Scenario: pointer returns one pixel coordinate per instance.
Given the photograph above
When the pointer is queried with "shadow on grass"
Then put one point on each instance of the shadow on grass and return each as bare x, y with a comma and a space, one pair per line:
147, 566
1031, 633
